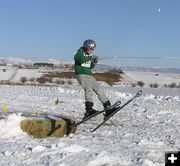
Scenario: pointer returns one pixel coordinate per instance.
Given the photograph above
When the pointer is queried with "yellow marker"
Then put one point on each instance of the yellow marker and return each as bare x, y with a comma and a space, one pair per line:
4, 107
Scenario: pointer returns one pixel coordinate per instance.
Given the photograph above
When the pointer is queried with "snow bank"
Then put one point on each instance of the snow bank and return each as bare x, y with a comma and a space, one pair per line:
10, 126
139, 134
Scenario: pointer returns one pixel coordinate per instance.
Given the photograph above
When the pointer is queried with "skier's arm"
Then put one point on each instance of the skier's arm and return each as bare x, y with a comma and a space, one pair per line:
92, 65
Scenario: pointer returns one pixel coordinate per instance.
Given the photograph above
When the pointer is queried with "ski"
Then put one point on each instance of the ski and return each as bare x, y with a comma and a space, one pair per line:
119, 108
115, 105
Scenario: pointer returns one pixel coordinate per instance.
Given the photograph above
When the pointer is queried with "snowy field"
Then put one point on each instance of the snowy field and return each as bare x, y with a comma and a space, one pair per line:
14, 74
137, 135
161, 78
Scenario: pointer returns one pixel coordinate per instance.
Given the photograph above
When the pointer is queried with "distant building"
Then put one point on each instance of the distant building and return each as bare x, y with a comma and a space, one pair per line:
43, 65
66, 66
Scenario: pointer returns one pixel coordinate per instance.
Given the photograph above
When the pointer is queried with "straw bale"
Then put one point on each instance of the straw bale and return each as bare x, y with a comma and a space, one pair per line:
47, 127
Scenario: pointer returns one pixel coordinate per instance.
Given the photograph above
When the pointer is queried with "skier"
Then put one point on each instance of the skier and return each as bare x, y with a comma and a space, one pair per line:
84, 62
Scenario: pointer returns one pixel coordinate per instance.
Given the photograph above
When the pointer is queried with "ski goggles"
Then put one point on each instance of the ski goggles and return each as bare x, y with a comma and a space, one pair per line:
90, 48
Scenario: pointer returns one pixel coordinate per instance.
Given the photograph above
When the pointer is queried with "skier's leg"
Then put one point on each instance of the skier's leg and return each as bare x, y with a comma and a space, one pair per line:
102, 97
84, 81
86, 85
99, 91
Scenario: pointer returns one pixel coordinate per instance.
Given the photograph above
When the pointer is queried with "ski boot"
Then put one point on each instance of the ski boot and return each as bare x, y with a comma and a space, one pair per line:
89, 110
108, 112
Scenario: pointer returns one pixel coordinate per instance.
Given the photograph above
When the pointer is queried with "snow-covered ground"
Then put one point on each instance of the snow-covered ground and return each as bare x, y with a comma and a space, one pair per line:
14, 74
138, 135
28, 73
161, 78
6, 73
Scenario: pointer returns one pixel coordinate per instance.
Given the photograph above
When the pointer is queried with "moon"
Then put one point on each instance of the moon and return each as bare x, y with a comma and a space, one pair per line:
159, 10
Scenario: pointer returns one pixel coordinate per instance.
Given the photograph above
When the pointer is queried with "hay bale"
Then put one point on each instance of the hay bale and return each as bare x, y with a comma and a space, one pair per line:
47, 127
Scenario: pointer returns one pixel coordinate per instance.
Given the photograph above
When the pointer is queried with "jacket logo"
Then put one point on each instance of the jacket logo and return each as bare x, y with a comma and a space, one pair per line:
86, 64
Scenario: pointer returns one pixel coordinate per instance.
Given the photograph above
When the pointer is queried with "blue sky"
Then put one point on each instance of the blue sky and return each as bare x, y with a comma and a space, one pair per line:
42, 29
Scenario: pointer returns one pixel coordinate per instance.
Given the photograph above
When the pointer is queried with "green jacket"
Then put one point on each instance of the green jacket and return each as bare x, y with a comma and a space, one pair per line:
83, 63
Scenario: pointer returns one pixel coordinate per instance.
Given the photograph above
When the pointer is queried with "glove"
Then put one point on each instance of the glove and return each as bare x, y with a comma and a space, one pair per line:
94, 59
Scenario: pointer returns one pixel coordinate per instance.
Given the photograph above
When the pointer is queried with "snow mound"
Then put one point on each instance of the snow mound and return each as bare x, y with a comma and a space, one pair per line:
10, 126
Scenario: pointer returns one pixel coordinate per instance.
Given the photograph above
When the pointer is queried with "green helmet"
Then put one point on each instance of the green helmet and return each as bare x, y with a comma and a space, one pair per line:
89, 44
